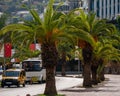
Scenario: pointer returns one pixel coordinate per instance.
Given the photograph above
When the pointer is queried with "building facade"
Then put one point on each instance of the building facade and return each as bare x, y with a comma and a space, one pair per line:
69, 5
108, 9
75, 4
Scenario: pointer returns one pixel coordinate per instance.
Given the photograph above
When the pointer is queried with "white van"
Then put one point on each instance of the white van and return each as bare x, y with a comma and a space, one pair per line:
35, 72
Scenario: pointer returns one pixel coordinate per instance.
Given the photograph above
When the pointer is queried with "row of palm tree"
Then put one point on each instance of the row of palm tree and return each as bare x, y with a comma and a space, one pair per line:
56, 29
96, 31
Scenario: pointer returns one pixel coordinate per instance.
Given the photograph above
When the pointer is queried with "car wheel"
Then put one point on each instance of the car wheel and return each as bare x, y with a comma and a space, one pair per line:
23, 84
8, 85
2, 85
41, 81
18, 85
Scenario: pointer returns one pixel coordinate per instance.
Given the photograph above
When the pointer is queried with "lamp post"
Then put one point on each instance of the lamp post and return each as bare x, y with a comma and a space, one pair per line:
78, 66
4, 66
77, 58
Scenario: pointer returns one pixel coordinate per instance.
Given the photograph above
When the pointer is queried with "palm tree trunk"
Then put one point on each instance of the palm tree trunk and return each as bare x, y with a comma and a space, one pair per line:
63, 63
49, 61
87, 75
63, 69
50, 89
94, 74
87, 59
102, 77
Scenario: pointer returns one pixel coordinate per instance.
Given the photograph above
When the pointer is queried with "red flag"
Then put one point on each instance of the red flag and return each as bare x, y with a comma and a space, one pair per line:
7, 49
32, 47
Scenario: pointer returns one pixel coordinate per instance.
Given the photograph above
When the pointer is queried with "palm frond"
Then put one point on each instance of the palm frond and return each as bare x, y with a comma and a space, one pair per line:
36, 16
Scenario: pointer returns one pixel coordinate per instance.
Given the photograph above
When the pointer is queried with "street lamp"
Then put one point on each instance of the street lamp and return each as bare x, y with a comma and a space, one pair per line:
77, 58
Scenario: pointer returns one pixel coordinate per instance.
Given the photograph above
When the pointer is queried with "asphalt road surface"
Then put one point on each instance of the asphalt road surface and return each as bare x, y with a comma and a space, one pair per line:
61, 84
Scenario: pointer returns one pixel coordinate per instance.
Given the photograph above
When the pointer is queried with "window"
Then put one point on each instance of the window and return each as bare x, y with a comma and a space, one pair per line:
92, 5
98, 8
118, 6
114, 7
12, 73
32, 65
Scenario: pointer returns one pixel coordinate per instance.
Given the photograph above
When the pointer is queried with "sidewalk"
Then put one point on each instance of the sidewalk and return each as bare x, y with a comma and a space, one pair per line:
110, 87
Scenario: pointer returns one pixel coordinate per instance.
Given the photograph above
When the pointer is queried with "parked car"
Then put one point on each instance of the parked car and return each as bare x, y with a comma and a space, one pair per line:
13, 77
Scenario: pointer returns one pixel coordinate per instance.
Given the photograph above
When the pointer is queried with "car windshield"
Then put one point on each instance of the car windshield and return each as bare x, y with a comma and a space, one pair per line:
12, 73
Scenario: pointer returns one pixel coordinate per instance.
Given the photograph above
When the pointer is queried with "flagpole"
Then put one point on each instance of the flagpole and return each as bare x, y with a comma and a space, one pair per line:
4, 61
4, 65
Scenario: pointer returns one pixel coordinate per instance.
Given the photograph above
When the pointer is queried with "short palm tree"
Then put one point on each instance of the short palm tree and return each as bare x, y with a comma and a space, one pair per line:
102, 54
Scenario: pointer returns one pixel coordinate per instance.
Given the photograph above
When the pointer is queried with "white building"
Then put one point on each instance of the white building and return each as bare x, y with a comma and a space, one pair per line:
105, 8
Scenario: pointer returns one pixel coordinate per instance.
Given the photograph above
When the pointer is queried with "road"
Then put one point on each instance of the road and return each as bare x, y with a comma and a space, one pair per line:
61, 83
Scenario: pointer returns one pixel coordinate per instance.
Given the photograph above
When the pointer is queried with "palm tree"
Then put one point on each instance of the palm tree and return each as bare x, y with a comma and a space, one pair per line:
94, 28
48, 31
64, 49
102, 54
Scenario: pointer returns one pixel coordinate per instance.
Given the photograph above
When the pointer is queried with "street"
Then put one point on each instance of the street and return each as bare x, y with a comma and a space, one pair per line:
61, 83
